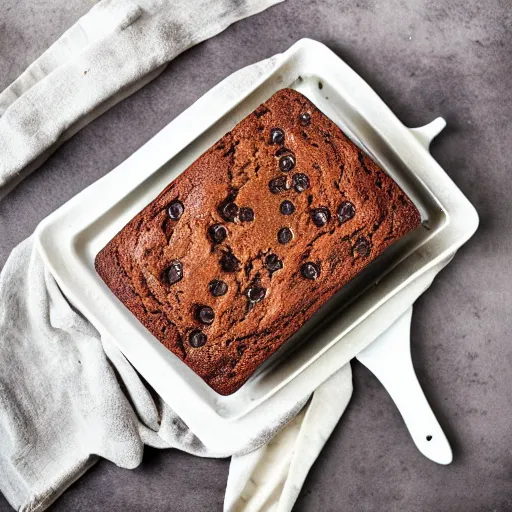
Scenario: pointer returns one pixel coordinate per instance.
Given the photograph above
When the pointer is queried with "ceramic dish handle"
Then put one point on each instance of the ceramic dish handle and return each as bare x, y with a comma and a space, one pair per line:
389, 359
426, 134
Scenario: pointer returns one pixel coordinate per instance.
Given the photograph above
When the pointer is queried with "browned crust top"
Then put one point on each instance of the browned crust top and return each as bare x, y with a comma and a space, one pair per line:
238, 168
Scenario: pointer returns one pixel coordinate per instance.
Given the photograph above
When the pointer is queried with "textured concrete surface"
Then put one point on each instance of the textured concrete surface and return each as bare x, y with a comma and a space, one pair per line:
449, 58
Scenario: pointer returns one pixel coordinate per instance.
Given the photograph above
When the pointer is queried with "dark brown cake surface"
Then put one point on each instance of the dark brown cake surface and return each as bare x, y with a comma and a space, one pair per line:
245, 245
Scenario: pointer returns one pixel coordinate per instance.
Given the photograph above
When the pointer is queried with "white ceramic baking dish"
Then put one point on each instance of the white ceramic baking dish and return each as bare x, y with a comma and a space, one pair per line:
379, 298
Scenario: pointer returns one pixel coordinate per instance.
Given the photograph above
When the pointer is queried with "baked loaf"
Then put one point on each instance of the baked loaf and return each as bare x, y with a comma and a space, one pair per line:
244, 246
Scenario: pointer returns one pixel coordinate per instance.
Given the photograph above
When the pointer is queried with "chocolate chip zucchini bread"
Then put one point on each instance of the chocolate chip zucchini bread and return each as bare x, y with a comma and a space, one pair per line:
244, 246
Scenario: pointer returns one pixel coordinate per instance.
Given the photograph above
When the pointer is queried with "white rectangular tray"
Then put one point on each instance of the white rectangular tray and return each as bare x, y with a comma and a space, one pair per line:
70, 238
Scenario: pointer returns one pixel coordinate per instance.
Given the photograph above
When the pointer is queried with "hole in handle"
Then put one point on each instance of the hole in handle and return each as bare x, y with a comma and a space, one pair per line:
429, 438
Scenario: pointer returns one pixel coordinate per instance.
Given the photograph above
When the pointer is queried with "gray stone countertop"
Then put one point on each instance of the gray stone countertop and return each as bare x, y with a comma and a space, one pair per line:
449, 58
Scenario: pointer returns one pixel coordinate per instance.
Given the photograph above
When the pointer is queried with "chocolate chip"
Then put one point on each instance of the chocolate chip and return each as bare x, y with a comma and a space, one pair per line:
246, 214
218, 287
273, 263
205, 315
229, 262
284, 235
276, 136
287, 207
320, 216
310, 271
305, 119
175, 210
362, 247
255, 293
197, 338
287, 163
228, 211
217, 233
346, 211
300, 182
174, 272
277, 185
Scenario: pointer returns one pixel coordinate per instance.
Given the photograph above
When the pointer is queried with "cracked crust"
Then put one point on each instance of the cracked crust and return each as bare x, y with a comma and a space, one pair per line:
240, 166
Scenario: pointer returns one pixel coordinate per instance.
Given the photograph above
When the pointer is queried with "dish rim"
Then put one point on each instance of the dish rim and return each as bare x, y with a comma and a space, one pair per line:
461, 221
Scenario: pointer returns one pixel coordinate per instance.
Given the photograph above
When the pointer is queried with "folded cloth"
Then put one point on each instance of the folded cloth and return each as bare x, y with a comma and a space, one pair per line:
68, 397
116, 48
271, 477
